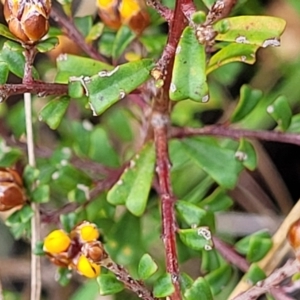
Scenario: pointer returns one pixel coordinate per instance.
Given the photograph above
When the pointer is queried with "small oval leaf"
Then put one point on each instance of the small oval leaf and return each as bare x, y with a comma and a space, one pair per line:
189, 71
147, 267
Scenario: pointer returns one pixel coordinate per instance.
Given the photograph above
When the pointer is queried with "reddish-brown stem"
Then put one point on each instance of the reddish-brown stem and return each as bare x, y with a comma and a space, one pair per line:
222, 131
230, 255
30, 52
42, 89
74, 34
136, 286
160, 126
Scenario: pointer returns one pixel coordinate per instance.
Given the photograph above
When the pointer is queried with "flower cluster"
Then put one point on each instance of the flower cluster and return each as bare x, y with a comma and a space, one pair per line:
80, 250
11, 189
116, 13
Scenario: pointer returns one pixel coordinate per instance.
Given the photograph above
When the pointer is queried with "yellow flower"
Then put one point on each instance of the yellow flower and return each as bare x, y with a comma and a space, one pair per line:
87, 232
56, 242
87, 268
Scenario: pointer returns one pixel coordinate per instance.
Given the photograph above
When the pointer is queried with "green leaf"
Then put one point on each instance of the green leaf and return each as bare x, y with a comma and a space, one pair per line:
210, 261
262, 31
295, 124
38, 249
281, 112
124, 242
147, 267
4, 71
185, 282
67, 177
232, 53
211, 157
12, 54
41, 194
68, 221
246, 154
95, 32
53, 112
8, 155
101, 149
208, 3
242, 246
30, 175
80, 194
64, 276
254, 274
72, 65
4, 31
163, 286
190, 213
189, 78
88, 290
26, 213
134, 185
199, 290
248, 100
106, 88
106, 43
109, 285
258, 248
196, 238
84, 24
217, 201
123, 38
47, 44
219, 278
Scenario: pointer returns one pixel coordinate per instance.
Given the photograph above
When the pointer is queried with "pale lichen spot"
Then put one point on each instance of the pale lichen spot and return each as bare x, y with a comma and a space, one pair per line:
205, 98
241, 156
173, 87
270, 109
242, 40
274, 42
205, 232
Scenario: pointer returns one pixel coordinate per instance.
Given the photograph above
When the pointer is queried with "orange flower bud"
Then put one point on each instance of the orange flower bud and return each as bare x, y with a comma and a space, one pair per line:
11, 189
115, 13
294, 237
27, 19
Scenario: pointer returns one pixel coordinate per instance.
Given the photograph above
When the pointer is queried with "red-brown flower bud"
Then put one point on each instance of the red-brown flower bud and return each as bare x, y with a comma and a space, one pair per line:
11, 189
27, 19
93, 251
294, 237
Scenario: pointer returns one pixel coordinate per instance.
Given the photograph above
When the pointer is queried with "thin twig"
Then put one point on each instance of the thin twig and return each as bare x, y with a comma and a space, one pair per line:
130, 283
35, 221
276, 253
230, 255
74, 34
1, 291
222, 131
36, 277
42, 89
289, 269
